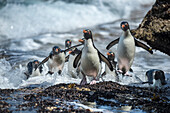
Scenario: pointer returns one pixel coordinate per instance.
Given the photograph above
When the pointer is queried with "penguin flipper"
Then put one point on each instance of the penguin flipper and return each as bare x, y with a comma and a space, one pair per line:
72, 47
112, 43
30, 68
41, 63
104, 59
140, 44
66, 58
76, 60
41, 69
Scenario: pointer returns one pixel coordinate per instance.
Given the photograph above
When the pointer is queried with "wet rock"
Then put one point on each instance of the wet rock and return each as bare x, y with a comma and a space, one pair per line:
155, 27
57, 98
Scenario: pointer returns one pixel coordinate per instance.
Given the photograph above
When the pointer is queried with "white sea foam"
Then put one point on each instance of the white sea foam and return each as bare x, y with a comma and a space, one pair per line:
17, 20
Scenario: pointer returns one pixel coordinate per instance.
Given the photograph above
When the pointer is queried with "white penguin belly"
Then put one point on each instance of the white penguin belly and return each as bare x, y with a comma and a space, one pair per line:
157, 83
126, 52
107, 70
57, 62
71, 69
36, 73
90, 63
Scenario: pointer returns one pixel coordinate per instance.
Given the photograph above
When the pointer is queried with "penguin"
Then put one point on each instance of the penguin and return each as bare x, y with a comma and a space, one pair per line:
111, 58
31, 69
126, 49
155, 77
55, 60
68, 43
68, 47
90, 59
74, 72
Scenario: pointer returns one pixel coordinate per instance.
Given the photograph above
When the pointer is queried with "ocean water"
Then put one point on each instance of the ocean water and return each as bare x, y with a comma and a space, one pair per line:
30, 28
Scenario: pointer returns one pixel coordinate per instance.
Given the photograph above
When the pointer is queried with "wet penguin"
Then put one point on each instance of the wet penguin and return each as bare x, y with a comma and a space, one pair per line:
90, 59
55, 60
155, 77
74, 72
31, 66
111, 58
126, 49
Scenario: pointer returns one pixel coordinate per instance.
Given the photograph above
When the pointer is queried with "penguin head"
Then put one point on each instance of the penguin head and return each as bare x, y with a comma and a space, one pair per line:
56, 50
35, 63
87, 34
68, 43
124, 26
159, 74
110, 55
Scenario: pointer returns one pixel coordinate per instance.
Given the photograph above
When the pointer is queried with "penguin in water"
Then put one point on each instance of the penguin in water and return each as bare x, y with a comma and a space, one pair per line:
111, 58
90, 59
55, 60
31, 66
126, 49
71, 70
155, 77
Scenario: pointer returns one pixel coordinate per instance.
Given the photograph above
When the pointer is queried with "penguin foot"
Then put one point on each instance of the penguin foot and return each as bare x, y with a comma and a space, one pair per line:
127, 74
50, 72
93, 82
120, 71
59, 72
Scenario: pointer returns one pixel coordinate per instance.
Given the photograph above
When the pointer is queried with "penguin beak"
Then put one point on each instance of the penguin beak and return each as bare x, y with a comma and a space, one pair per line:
81, 40
108, 53
36, 62
123, 26
56, 50
70, 52
84, 31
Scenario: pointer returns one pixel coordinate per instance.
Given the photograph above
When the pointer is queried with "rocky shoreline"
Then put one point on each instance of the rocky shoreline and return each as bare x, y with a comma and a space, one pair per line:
60, 98
155, 27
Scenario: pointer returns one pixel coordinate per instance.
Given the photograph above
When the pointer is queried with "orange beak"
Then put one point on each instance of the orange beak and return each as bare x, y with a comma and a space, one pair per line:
108, 53
81, 40
56, 50
123, 26
36, 62
84, 31
70, 52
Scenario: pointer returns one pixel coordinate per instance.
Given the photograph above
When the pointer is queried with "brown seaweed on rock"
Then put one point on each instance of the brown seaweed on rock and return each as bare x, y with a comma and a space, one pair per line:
58, 98
155, 27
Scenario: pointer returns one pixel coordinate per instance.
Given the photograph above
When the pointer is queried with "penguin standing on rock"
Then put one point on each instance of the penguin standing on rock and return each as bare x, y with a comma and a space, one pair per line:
155, 77
126, 49
31, 66
90, 59
111, 58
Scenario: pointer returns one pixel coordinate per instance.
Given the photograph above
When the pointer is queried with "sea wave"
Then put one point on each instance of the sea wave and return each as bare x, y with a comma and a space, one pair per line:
25, 18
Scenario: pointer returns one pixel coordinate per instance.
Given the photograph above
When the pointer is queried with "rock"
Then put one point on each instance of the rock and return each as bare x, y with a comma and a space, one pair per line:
155, 27
57, 98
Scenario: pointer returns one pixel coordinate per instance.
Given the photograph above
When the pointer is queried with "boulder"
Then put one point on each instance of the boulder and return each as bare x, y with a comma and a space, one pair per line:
155, 27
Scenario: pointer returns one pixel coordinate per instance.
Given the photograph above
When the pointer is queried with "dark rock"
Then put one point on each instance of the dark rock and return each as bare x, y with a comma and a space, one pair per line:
56, 98
155, 27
